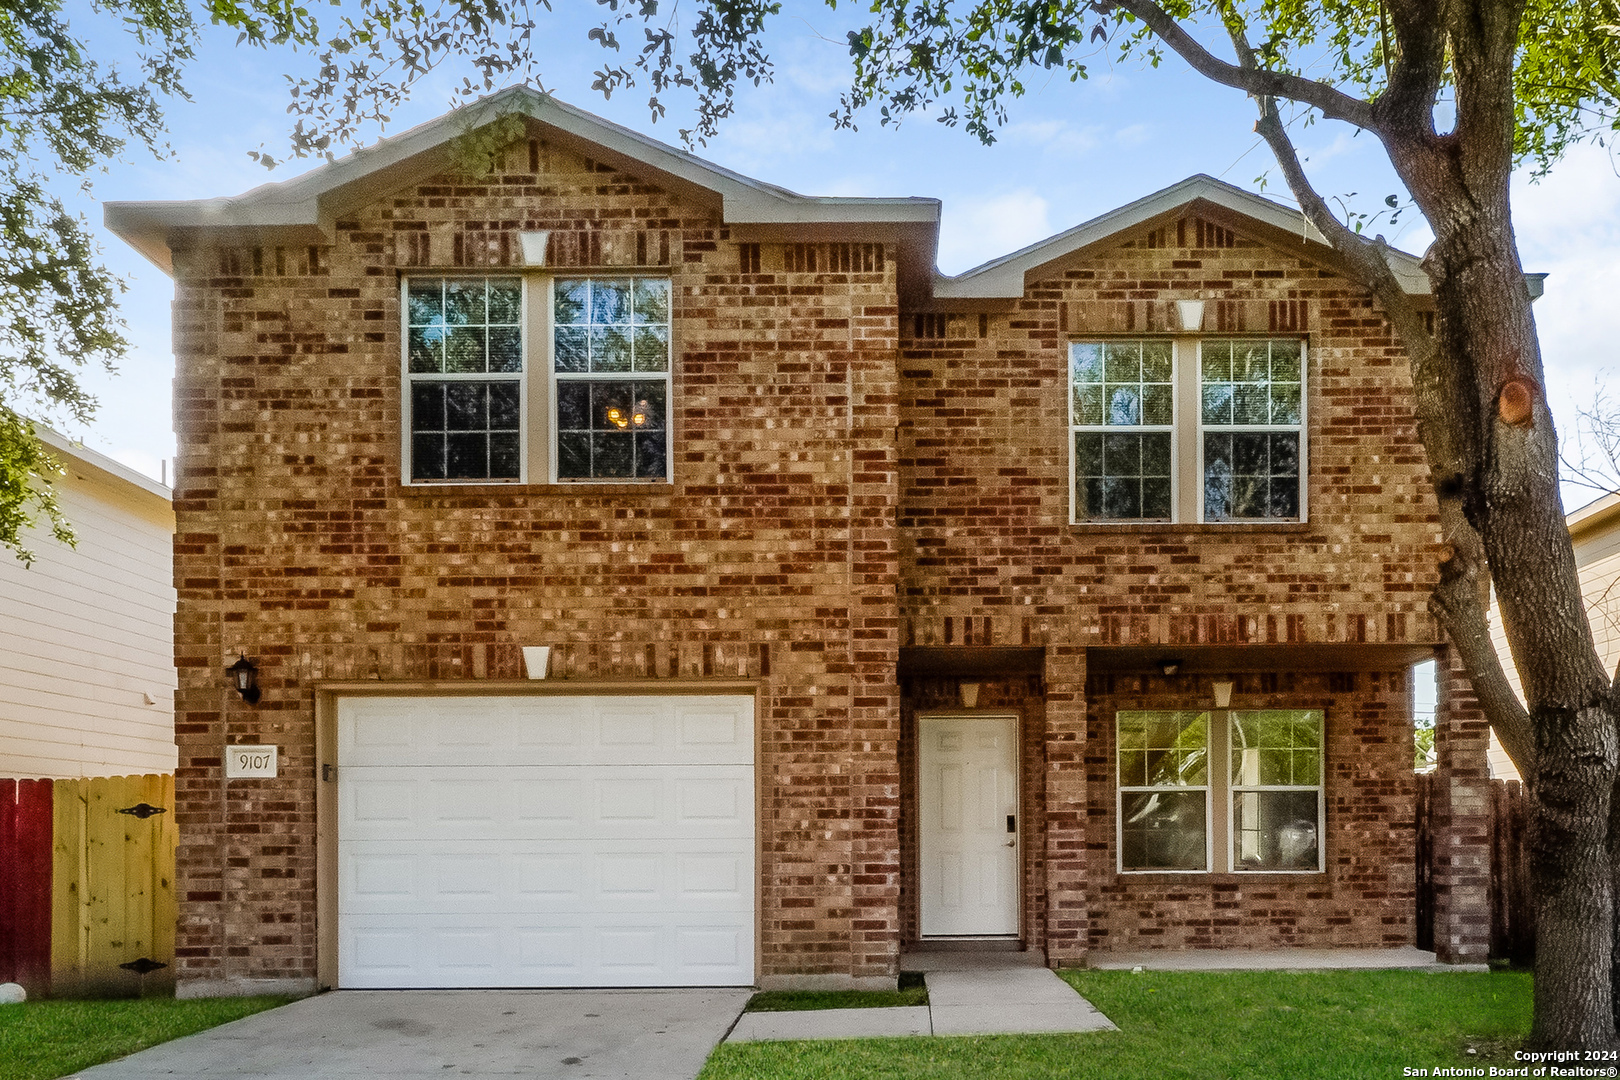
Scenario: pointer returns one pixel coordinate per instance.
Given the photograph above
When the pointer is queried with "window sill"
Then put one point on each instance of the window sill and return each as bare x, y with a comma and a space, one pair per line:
1190, 527
1220, 877
571, 487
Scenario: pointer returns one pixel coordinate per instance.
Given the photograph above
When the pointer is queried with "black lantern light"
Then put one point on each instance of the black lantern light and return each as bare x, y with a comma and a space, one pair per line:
246, 674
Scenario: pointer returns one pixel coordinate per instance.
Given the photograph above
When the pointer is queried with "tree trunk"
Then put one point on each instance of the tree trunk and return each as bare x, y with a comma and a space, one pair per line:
1488, 357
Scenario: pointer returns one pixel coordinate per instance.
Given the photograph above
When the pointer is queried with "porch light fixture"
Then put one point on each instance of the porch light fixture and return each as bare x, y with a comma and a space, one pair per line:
1223, 693
245, 674
970, 695
1191, 314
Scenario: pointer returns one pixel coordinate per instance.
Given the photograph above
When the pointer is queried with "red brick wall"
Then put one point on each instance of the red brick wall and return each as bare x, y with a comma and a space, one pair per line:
1366, 897
989, 557
772, 555
1015, 696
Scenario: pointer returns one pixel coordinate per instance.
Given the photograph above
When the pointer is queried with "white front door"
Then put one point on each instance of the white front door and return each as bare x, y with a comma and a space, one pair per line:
969, 826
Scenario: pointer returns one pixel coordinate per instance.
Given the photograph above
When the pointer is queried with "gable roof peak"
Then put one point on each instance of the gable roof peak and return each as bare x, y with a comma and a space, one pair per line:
1004, 277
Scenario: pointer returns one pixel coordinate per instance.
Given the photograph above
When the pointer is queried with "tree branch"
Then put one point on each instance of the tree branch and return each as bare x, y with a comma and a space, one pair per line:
1458, 604
1250, 78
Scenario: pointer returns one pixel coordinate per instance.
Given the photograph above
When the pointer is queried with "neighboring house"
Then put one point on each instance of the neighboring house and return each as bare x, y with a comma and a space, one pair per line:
656, 577
87, 633
1594, 529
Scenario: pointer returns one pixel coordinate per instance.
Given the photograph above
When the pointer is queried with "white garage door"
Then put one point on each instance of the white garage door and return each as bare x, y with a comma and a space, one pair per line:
545, 841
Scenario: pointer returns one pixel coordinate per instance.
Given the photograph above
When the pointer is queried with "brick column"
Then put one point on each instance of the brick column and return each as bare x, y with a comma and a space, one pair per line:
1068, 921
1461, 819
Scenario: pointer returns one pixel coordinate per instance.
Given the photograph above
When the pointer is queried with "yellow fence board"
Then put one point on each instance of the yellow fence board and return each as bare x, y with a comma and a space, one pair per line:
113, 886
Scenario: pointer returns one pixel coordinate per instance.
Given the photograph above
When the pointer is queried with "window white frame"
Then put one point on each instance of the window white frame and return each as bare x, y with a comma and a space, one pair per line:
553, 378
1122, 790
409, 379
1079, 425
1188, 429
1220, 828
1302, 428
537, 380
1235, 789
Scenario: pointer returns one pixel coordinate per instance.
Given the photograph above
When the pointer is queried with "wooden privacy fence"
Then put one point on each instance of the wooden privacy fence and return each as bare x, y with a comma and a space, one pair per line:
1513, 920
87, 904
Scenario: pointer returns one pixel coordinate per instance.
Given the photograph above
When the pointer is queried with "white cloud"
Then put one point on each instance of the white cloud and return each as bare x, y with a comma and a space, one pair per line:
975, 231
1134, 134
1050, 136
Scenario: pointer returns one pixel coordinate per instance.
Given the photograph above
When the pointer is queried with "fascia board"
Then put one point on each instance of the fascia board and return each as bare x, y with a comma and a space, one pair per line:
115, 474
317, 198
1004, 278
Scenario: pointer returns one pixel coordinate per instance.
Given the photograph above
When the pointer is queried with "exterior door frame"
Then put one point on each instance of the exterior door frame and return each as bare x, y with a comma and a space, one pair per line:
1017, 724
326, 765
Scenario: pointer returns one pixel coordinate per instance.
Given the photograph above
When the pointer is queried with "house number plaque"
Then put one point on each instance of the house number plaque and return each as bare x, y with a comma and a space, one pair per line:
248, 761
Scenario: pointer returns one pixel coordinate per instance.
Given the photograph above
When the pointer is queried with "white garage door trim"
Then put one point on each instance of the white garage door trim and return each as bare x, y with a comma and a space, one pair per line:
604, 840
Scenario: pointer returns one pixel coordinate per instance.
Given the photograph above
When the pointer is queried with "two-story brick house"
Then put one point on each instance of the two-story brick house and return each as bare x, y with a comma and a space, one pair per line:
655, 577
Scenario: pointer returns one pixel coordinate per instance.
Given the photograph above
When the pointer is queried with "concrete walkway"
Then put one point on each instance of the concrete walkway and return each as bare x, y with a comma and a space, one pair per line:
968, 994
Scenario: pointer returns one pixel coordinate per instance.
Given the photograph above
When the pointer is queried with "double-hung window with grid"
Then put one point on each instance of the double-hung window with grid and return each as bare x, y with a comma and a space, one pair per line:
536, 378
464, 374
1181, 429
1260, 809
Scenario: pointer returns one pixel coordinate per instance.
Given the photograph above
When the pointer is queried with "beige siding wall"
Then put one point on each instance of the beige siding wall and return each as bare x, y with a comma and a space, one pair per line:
87, 633
1595, 529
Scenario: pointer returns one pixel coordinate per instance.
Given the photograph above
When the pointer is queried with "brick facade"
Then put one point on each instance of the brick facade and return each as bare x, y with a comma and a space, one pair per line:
853, 480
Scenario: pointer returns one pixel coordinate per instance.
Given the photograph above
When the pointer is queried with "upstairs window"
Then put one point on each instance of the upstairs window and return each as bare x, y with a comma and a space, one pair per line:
1123, 417
464, 374
1252, 416
1177, 429
536, 379
611, 368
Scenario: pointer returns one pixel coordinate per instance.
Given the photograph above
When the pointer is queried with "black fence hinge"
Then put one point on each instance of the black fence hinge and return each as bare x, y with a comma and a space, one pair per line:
143, 810
142, 966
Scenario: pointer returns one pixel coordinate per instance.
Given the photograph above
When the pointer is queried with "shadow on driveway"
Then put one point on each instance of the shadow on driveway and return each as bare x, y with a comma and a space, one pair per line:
413, 1034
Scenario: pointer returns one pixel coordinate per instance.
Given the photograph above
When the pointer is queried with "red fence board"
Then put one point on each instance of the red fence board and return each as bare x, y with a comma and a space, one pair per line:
25, 883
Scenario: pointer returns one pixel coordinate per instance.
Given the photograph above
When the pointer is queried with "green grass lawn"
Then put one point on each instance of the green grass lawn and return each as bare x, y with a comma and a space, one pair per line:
1296, 1025
42, 1040
911, 992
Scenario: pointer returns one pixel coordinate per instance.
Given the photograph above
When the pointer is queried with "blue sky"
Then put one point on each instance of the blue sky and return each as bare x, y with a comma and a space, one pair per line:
1069, 152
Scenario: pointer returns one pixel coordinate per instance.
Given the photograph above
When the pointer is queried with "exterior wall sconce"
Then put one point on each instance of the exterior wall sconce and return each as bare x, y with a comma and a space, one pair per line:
245, 674
1223, 693
1191, 314
970, 695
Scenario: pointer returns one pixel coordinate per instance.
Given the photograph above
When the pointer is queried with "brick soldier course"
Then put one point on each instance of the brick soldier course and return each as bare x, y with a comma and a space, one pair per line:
868, 504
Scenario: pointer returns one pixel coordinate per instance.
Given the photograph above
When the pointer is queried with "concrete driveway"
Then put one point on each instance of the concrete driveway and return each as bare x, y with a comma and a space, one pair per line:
412, 1034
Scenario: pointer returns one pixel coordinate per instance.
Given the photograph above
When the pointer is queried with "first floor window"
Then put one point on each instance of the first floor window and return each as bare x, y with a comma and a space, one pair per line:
1164, 790
1261, 809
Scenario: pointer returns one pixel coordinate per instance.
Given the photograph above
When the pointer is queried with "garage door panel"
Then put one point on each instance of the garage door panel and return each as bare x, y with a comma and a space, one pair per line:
488, 876
546, 802
383, 952
546, 731
566, 841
